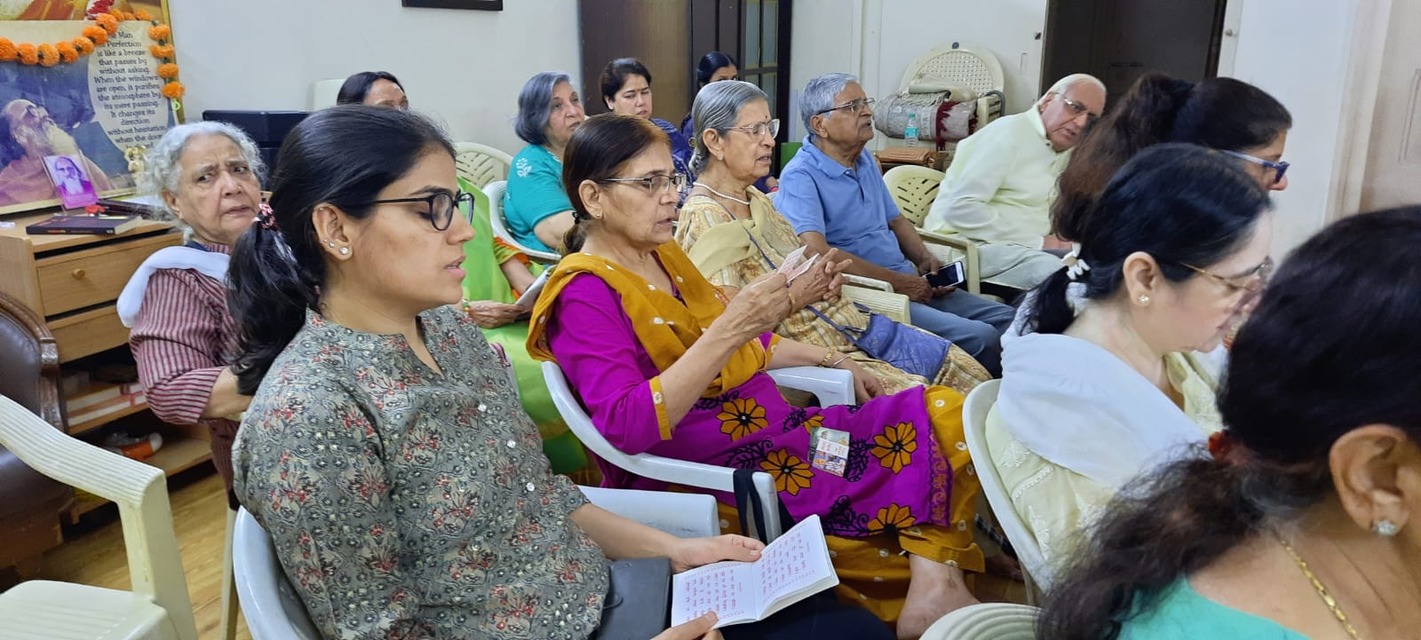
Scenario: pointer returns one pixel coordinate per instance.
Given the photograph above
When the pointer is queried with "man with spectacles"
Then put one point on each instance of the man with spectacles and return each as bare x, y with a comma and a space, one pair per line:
833, 194
999, 188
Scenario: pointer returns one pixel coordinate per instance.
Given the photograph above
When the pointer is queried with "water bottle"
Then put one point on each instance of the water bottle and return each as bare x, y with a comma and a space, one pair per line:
910, 133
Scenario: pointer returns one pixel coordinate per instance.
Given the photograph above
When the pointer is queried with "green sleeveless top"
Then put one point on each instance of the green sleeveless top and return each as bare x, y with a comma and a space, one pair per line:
1181, 613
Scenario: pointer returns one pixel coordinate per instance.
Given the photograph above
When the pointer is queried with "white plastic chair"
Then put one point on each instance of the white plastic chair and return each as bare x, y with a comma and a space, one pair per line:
831, 386
158, 605
481, 164
987, 621
913, 189
962, 65
974, 414
495, 190
274, 610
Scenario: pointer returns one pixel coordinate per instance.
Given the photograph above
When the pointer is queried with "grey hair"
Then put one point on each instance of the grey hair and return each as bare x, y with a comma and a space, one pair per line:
164, 170
535, 105
718, 106
819, 95
1064, 84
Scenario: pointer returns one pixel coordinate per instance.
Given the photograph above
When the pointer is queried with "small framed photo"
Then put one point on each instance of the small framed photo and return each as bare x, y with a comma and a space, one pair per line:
71, 181
475, 5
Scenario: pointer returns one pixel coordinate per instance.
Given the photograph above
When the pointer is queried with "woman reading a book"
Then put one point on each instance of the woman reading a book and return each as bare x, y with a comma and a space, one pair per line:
182, 336
385, 452
664, 365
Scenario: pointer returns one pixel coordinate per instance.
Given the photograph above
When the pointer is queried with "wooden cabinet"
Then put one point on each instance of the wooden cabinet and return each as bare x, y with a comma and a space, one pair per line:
73, 281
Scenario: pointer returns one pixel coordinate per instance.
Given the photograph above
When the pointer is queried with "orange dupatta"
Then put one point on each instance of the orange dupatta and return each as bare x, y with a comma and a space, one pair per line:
665, 327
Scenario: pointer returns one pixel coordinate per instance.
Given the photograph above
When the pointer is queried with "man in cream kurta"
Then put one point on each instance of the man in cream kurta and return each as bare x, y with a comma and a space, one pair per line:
999, 188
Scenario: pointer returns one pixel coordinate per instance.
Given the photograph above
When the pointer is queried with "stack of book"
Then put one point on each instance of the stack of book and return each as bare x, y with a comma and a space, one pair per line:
103, 400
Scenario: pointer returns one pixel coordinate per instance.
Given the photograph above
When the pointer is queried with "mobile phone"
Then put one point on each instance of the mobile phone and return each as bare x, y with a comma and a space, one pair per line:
948, 276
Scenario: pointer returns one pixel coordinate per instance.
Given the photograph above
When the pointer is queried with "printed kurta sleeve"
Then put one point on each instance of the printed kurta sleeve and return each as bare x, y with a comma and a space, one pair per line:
176, 341
328, 508
598, 350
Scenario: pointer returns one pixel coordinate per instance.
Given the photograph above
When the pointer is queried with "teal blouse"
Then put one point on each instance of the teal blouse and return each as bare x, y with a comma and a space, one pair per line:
534, 193
1181, 613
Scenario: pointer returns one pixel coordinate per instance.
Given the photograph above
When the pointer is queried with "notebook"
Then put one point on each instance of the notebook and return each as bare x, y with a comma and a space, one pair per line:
793, 567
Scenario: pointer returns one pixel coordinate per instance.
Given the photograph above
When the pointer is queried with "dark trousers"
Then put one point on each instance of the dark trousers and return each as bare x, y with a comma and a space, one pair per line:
821, 617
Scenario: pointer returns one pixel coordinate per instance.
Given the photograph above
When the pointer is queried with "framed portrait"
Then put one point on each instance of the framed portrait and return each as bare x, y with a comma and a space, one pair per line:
70, 175
102, 110
476, 5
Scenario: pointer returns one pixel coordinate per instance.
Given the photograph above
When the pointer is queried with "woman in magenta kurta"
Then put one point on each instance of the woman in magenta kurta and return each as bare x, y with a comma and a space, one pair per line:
620, 318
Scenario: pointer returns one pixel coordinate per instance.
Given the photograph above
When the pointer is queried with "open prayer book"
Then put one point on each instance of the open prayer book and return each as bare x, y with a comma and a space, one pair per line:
793, 567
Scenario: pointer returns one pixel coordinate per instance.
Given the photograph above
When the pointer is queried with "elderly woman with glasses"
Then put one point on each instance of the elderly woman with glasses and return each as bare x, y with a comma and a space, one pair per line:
1243, 121
1115, 370
183, 337
665, 364
535, 206
733, 234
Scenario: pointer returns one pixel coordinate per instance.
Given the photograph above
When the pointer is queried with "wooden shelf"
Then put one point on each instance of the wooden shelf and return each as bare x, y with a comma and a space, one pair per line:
176, 456
90, 425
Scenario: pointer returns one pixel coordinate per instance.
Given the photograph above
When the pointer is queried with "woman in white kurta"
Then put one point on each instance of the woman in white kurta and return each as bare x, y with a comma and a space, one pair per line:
1115, 366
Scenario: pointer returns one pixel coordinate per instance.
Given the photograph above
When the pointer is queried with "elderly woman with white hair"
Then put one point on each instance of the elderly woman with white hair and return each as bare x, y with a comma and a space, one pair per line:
183, 337
535, 206
1002, 181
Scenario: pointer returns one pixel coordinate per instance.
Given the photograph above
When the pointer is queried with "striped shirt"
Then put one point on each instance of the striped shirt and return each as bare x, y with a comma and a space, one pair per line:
182, 339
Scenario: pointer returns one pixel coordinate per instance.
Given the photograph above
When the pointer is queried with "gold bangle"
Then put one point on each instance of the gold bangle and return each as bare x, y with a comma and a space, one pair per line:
792, 305
824, 362
837, 362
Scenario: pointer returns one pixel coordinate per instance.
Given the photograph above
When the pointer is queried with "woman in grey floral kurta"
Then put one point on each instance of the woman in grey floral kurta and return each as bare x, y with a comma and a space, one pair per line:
385, 451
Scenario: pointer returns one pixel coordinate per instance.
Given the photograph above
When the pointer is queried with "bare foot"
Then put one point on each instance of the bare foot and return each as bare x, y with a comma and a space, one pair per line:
934, 590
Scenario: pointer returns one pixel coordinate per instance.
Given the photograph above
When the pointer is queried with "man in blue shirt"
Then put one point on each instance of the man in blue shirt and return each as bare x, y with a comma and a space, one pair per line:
834, 195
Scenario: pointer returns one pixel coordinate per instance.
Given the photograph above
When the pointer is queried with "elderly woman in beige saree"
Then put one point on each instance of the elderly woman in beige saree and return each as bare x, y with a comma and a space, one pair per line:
733, 234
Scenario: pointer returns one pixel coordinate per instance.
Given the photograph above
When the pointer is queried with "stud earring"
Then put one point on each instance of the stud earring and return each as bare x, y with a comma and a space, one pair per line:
1143, 299
330, 244
1385, 528
345, 251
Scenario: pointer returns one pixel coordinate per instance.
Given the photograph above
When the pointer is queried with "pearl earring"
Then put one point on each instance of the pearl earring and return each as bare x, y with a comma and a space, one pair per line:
1385, 528
330, 244
1144, 299
345, 251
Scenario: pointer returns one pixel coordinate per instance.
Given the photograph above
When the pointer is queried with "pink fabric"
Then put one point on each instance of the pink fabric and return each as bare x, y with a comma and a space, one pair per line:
181, 340
611, 372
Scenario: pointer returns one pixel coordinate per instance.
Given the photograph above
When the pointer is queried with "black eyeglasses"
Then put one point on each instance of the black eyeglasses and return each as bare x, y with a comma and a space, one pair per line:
654, 184
1279, 168
854, 107
441, 207
1250, 283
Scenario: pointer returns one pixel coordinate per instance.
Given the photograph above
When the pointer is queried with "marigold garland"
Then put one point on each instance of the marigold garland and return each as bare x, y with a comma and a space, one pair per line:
95, 35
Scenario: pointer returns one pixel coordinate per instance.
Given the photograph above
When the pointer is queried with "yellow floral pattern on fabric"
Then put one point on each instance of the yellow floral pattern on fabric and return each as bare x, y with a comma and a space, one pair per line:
741, 417
791, 474
892, 518
895, 446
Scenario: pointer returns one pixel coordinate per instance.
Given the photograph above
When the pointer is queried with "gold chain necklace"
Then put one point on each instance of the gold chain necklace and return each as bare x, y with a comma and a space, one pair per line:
1327, 598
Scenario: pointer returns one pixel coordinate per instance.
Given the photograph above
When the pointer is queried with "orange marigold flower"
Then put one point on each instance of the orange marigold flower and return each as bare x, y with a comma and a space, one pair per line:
7, 50
27, 52
129, 15
108, 21
741, 417
895, 446
48, 55
97, 34
167, 71
160, 32
891, 518
67, 52
173, 90
84, 45
790, 473
161, 50
142, 15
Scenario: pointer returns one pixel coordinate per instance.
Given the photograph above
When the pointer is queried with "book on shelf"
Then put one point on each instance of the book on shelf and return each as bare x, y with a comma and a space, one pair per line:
793, 567
92, 394
114, 404
82, 224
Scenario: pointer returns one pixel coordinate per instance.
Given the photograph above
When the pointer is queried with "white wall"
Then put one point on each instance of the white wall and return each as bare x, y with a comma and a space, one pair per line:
877, 40
1297, 50
464, 67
